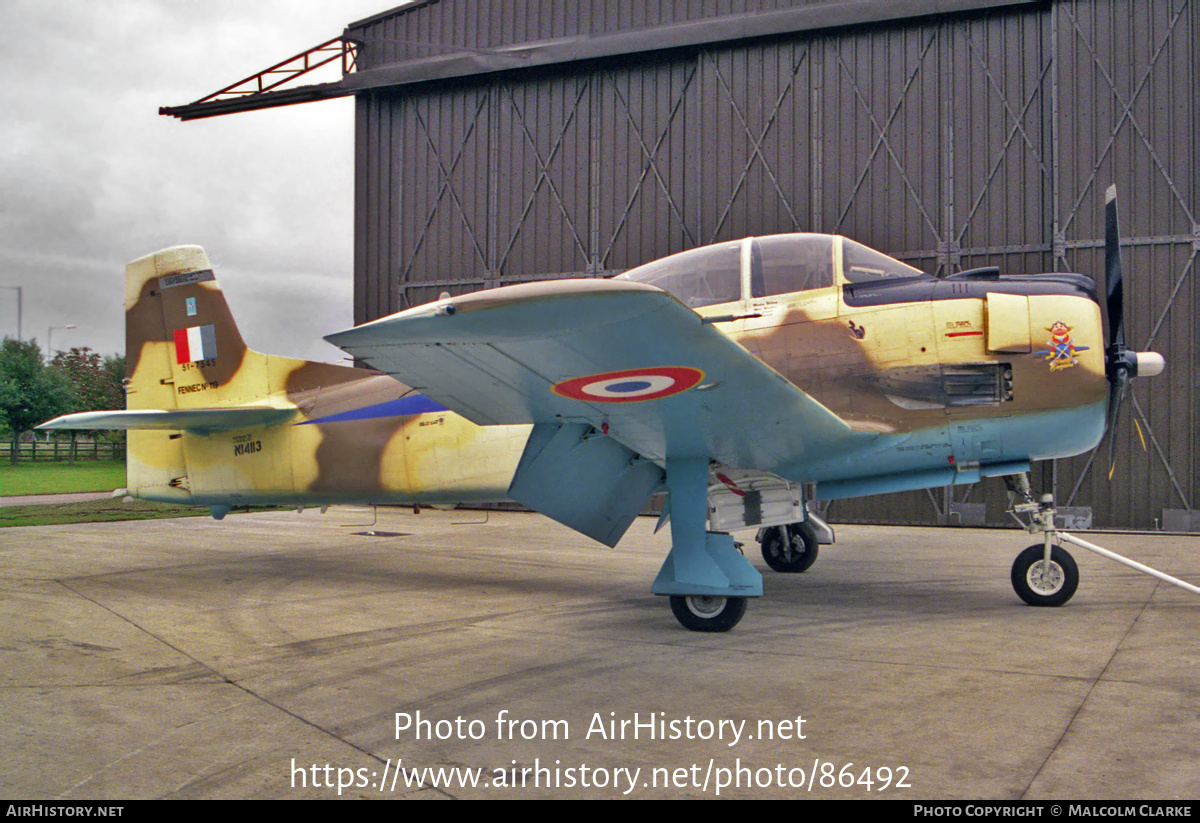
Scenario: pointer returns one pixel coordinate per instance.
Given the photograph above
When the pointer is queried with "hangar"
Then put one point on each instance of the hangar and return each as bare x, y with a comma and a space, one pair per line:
499, 142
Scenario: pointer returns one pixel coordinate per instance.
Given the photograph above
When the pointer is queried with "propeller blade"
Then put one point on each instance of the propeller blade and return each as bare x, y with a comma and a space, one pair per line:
1115, 354
1112, 270
1121, 364
1115, 398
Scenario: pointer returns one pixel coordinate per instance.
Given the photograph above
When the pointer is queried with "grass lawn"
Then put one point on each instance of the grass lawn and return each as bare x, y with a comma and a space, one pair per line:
94, 511
84, 476
54, 478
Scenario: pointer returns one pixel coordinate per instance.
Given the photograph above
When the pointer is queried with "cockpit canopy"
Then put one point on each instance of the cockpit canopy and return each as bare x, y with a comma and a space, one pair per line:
699, 277
765, 266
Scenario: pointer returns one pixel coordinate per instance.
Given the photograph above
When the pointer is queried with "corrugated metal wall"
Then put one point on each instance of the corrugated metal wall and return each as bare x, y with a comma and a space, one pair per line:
953, 142
426, 28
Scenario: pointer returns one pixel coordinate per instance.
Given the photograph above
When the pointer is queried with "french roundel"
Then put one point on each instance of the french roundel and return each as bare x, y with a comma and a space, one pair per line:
630, 385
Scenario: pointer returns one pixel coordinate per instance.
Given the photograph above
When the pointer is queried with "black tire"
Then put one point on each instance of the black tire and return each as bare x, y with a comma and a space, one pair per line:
706, 613
1037, 589
794, 555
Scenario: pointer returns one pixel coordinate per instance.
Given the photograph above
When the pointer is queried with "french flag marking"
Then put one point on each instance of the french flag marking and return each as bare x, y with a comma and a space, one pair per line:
195, 343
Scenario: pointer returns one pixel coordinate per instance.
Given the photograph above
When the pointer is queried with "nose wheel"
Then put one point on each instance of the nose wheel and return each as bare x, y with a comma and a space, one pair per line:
1039, 583
1050, 578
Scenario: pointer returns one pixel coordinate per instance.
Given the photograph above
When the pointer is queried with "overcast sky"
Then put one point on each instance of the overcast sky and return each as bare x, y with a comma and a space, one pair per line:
91, 176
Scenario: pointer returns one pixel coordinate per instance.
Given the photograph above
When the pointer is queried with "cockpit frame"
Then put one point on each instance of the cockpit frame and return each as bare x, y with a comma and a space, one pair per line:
748, 270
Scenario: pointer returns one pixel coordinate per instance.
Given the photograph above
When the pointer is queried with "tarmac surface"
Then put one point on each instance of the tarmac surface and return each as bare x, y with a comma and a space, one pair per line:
274, 655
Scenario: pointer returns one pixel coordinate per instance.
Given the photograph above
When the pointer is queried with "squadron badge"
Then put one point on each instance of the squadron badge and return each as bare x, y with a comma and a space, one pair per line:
1061, 353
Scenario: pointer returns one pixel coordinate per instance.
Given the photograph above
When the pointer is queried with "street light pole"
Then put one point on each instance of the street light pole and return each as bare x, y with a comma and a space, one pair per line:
49, 331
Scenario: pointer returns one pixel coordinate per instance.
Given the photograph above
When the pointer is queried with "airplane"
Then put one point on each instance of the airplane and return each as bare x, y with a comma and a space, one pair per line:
746, 379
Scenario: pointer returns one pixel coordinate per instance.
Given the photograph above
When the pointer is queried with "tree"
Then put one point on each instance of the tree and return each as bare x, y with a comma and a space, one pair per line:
30, 392
98, 384
114, 377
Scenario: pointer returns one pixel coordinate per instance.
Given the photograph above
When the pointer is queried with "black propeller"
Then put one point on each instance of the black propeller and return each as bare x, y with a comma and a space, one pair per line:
1121, 364
1112, 272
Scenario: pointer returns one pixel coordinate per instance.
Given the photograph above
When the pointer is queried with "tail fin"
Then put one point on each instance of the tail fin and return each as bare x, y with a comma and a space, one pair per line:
183, 349
197, 395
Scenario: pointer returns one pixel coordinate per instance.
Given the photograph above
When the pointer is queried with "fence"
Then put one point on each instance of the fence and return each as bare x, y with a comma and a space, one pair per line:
64, 450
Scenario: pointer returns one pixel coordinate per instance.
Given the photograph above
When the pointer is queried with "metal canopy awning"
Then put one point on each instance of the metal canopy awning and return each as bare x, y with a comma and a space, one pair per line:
265, 89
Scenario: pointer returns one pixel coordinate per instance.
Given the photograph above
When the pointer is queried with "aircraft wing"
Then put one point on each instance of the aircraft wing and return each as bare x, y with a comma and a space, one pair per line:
625, 357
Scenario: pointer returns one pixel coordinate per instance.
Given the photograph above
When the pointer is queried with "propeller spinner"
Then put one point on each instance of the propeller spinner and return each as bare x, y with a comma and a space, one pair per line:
1121, 364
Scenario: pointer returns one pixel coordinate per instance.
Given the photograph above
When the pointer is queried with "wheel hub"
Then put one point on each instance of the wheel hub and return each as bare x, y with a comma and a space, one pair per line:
705, 605
1043, 579
793, 548
784, 551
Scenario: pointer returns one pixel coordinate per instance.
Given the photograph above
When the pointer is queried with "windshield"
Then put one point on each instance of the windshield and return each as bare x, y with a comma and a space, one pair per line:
862, 264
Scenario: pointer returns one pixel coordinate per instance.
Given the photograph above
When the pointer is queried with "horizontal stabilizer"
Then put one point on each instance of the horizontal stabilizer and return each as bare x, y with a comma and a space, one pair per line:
193, 420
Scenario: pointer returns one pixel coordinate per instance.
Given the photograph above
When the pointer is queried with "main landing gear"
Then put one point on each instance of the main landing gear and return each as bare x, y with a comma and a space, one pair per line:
706, 578
707, 613
1045, 574
791, 548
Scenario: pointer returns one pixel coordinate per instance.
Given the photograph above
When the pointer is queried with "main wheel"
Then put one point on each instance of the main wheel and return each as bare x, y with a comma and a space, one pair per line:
1041, 585
708, 613
793, 553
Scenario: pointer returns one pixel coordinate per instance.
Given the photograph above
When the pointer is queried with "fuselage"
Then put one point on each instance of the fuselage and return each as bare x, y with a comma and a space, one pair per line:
941, 380
954, 375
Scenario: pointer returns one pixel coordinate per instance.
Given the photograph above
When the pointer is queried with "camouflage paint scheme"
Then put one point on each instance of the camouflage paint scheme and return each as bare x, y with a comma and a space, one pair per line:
774, 362
881, 369
432, 457
930, 382
353, 435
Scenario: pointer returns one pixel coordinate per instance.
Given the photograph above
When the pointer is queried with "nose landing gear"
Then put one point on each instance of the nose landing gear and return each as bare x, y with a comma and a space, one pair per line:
1045, 574
1041, 583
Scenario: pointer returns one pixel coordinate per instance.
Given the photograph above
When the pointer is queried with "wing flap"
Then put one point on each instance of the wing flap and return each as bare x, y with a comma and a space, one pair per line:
584, 480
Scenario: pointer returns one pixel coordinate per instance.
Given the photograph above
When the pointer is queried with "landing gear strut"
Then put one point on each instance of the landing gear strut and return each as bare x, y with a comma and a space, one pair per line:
1045, 574
706, 578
